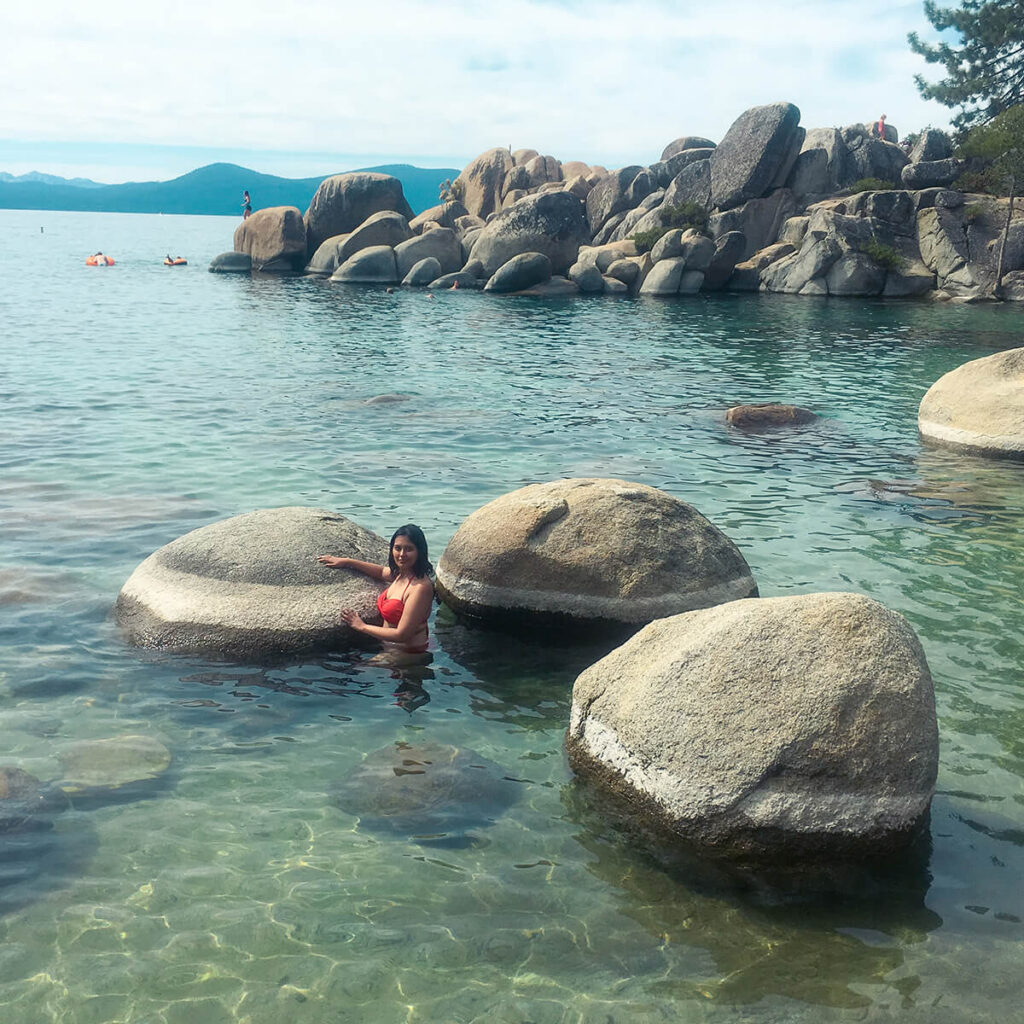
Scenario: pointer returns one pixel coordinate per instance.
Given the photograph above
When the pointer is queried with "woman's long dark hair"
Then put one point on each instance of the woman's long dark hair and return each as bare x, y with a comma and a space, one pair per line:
415, 534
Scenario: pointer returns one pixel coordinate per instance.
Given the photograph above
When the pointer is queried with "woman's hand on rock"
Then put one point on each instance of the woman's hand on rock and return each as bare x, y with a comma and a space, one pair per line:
351, 619
332, 562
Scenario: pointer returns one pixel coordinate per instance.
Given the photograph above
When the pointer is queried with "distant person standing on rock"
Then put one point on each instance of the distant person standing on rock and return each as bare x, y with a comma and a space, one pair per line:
246, 204
880, 128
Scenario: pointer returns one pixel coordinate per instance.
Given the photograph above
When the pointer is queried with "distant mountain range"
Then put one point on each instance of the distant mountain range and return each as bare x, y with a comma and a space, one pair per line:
214, 189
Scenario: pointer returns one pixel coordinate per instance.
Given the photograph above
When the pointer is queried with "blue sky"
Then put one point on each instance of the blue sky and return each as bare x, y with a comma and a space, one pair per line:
120, 91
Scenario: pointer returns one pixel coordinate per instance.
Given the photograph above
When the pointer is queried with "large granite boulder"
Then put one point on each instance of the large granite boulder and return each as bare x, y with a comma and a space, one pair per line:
611, 195
756, 154
522, 271
931, 144
585, 551
251, 585
978, 408
801, 727
344, 201
231, 263
820, 167
551, 223
326, 259
441, 243
373, 265
274, 238
422, 273
932, 173
479, 185
870, 157
730, 249
666, 170
691, 185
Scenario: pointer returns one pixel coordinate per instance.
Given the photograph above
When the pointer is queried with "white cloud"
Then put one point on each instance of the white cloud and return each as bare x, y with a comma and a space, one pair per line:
602, 81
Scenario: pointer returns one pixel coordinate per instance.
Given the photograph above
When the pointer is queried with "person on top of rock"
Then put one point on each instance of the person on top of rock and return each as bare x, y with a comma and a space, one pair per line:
405, 604
880, 127
246, 204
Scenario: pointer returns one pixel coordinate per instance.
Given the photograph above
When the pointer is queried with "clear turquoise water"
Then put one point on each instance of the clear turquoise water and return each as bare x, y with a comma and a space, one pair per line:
139, 402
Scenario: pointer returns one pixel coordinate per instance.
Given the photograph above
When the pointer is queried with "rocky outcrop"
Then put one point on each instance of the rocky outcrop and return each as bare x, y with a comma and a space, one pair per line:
251, 585
479, 185
759, 220
274, 238
931, 173
932, 144
978, 408
870, 157
756, 154
801, 727
522, 271
616, 193
729, 250
551, 223
821, 167
646, 555
344, 201
683, 143
446, 214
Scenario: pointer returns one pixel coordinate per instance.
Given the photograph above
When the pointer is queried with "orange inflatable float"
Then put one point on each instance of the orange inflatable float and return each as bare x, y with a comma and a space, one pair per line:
178, 261
99, 260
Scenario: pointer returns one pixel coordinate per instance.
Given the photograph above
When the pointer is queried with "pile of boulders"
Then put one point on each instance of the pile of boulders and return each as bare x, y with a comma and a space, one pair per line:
769, 208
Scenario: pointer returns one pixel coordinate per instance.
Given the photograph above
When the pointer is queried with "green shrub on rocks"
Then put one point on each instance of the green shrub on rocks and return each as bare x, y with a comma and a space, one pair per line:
644, 240
872, 185
884, 255
685, 215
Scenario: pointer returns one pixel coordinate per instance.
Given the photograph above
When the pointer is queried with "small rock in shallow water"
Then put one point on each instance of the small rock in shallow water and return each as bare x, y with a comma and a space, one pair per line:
112, 763
759, 415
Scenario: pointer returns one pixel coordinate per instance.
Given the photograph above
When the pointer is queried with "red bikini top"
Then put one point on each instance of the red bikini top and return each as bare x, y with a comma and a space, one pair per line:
391, 608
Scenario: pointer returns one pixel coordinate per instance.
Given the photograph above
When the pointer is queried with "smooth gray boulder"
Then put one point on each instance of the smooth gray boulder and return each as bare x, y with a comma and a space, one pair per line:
855, 274
683, 143
422, 273
251, 585
646, 554
325, 261
871, 157
275, 239
669, 246
820, 167
664, 277
624, 270
344, 201
522, 271
587, 277
613, 286
551, 223
978, 408
631, 222
758, 148
441, 243
798, 727
231, 263
374, 265
932, 173
460, 279
729, 250
479, 184
383, 228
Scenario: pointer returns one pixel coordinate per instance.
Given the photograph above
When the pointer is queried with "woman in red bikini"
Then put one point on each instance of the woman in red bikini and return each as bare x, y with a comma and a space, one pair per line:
405, 604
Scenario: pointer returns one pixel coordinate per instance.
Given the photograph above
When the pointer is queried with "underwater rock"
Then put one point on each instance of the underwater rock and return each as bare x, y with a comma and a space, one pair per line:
787, 726
23, 798
113, 763
761, 415
428, 791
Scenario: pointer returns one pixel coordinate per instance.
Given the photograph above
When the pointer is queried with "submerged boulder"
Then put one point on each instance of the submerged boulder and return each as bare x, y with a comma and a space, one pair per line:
344, 201
585, 551
762, 415
978, 408
119, 762
429, 791
251, 585
802, 727
274, 238
551, 223
231, 263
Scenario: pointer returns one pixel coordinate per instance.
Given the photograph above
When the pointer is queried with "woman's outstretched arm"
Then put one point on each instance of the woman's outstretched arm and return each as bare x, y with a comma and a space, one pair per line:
377, 572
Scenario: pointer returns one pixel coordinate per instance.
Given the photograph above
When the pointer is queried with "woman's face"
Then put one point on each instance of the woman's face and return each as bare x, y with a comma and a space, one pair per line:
404, 553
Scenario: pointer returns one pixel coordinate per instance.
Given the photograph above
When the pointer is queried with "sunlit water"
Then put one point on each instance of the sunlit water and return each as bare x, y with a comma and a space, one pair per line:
139, 402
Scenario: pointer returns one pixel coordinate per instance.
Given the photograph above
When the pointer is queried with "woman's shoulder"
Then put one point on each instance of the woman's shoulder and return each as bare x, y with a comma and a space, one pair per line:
423, 583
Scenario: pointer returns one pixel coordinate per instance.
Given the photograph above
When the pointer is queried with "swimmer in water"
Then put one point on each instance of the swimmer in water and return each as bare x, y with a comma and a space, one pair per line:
405, 604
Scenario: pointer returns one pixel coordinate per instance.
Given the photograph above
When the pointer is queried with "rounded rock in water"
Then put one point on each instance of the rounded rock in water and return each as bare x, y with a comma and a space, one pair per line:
251, 586
429, 791
587, 552
113, 763
978, 408
801, 726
